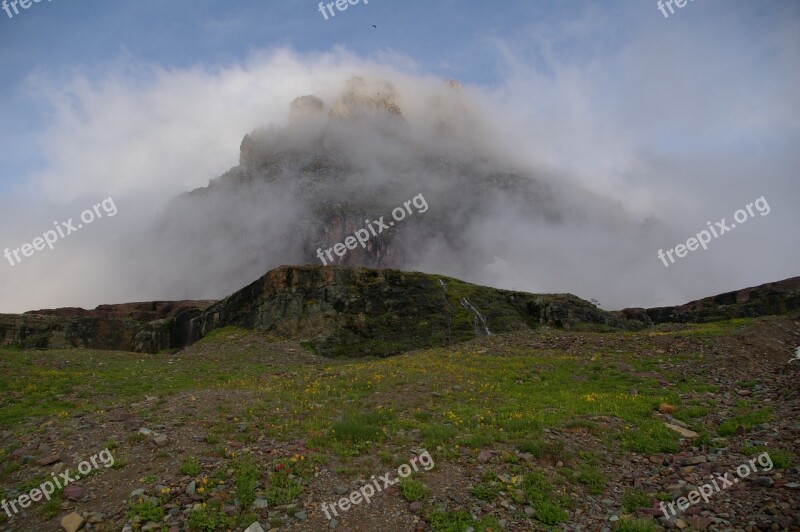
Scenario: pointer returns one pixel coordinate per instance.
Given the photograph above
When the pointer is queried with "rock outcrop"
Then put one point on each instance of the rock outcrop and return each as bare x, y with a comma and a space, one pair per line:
342, 311
359, 311
766, 299
144, 327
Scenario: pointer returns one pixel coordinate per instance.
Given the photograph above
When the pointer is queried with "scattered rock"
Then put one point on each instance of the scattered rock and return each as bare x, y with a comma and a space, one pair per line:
686, 433
72, 522
694, 460
73, 492
255, 527
47, 460
665, 408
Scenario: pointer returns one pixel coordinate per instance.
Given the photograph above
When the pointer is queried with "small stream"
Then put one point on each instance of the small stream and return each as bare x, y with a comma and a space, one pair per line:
480, 320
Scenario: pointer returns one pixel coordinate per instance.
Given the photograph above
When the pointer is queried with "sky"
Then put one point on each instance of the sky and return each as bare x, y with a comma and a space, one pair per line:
681, 120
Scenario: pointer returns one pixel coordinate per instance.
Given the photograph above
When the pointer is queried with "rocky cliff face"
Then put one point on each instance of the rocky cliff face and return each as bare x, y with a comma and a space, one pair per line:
359, 311
144, 327
341, 311
335, 310
766, 299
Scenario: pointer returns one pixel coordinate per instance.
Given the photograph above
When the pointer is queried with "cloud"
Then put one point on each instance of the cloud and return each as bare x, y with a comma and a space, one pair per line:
672, 123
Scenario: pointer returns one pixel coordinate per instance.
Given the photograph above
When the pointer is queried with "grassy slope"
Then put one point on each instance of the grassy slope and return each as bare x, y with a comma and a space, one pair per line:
499, 394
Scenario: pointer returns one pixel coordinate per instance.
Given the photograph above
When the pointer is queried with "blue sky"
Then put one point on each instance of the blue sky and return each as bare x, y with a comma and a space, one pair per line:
682, 119
450, 38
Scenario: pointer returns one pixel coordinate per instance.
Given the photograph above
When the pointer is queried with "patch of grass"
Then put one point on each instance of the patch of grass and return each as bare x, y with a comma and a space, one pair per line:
434, 435
8, 468
51, 508
486, 492
592, 478
550, 513
553, 450
413, 490
190, 466
283, 486
748, 384
246, 478
459, 521
635, 524
747, 420
136, 437
540, 495
361, 427
476, 441
583, 425
781, 459
146, 510
635, 498
210, 518
690, 413
651, 438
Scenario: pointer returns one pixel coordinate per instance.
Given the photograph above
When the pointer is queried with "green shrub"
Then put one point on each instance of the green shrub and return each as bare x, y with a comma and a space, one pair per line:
485, 492
146, 510
210, 518
459, 521
543, 449
190, 466
246, 475
747, 421
634, 499
413, 490
628, 524
434, 435
360, 427
592, 477
549, 513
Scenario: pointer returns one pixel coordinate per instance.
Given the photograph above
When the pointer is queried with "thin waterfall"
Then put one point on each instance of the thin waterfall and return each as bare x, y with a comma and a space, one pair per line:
479, 319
